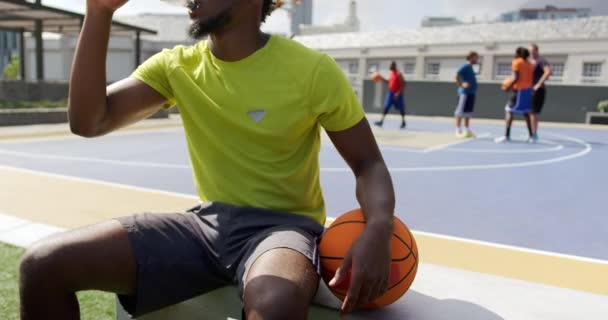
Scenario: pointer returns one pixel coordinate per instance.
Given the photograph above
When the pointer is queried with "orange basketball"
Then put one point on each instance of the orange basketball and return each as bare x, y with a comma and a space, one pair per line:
338, 239
507, 83
377, 77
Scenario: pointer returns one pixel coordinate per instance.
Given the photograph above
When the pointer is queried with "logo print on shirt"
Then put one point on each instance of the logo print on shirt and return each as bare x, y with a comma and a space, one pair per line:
257, 115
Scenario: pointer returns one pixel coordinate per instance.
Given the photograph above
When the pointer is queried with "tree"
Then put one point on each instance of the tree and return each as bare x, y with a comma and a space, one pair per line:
13, 68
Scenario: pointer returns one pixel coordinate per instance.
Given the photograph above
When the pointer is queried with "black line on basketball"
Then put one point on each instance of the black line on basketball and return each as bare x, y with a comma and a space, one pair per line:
410, 249
345, 222
331, 258
414, 265
411, 252
405, 244
412, 240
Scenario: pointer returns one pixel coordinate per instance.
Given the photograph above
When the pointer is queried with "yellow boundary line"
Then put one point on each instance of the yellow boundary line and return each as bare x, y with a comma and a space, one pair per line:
74, 202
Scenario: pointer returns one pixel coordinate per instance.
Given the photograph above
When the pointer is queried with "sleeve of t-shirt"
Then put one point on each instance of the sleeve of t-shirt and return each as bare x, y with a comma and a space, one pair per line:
460, 71
516, 66
155, 73
334, 102
543, 62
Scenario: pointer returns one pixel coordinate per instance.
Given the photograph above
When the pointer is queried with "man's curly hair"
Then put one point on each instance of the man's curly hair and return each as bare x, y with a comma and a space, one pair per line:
267, 8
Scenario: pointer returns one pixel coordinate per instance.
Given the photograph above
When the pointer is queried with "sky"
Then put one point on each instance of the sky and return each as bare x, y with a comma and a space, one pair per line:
374, 14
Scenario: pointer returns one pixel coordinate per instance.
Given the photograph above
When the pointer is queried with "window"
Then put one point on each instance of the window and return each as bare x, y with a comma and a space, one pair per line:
373, 67
503, 70
557, 70
592, 70
432, 70
409, 68
353, 68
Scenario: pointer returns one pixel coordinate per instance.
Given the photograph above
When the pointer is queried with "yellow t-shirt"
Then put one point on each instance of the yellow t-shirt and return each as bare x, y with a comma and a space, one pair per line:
253, 126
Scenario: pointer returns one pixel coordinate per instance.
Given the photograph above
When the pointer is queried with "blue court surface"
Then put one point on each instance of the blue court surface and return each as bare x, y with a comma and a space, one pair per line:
548, 196
505, 231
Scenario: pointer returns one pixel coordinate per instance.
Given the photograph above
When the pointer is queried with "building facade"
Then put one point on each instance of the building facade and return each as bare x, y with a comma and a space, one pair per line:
546, 13
428, 22
301, 15
577, 50
59, 50
351, 24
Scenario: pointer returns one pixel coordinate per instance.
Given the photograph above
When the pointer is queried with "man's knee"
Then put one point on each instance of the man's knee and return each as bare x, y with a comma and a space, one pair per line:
41, 264
269, 297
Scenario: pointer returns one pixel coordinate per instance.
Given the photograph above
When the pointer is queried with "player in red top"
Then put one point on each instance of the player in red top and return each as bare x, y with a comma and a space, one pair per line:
396, 89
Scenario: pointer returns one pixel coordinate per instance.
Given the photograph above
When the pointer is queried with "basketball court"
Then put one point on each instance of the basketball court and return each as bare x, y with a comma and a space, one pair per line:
505, 231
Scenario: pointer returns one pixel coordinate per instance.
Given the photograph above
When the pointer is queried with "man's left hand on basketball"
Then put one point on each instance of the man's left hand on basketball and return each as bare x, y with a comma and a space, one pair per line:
368, 261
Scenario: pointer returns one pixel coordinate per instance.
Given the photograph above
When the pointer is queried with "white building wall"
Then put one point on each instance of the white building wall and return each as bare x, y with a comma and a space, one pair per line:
54, 64
54, 67
355, 62
59, 54
572, 53
575, 67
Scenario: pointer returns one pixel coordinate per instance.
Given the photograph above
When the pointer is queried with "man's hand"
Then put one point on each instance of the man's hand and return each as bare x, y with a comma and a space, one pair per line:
106, 5
369, 258
537, 87
465, 85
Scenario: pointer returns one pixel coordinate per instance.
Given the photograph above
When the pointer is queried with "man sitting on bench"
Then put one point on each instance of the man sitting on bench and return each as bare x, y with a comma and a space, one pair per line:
252, 106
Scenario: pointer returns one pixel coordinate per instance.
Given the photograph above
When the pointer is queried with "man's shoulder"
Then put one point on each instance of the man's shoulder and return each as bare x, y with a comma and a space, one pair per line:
518, 62
303, 63
188, 51
292, 49
181, 55
464, 67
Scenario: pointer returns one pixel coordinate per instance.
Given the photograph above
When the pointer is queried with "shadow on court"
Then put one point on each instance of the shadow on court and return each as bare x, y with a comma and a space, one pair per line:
417, 306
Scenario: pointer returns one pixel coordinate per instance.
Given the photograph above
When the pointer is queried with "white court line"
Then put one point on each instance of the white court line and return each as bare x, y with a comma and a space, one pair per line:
502, 246
524, 164
514, 248
138, 164
392, 147
69, 136
400, 149
23, 232
141, 164
103, 183
545, 150
455, 143
557, 147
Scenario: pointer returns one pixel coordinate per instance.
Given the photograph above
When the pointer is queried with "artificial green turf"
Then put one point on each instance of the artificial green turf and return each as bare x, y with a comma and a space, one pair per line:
9, 299
93, 305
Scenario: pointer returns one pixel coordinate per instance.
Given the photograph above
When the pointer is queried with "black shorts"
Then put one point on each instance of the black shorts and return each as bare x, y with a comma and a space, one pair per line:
465, 106
181, 256
538, 100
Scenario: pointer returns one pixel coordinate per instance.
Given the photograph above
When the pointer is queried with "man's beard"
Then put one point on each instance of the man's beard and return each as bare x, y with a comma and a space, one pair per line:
202, 28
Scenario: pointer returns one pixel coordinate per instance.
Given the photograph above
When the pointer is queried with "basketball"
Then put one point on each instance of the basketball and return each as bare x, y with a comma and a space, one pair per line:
507, 83
376, 77
338, 239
